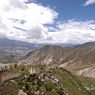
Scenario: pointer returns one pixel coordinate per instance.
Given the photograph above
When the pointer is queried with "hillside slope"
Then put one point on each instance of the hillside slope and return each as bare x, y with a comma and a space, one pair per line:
73, 58
54, 81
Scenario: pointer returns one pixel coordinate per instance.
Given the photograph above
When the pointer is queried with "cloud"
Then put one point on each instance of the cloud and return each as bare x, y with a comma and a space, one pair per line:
88, 2
74, 32
25, 21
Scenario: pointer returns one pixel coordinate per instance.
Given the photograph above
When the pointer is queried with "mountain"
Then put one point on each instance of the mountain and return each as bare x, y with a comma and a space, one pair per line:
51, 70
79, 59
12, 50
8, 45
76, 59
47, 54
82, 55
85, 44
16, 45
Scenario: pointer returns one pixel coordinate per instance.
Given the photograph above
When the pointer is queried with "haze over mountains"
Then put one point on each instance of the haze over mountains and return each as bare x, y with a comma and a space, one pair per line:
19, 48
48, 51
16, 45
14, 49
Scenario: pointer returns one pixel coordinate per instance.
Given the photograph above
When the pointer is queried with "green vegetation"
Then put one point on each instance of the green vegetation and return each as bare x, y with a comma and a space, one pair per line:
3, 59
89, 84
69, 82
9, 89
49, 81
40, 85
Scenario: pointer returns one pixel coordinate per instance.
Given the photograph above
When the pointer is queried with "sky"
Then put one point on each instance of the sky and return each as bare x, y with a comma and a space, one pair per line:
48, 21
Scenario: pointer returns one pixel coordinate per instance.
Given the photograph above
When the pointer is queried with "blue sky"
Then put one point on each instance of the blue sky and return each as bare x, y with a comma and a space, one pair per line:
71, 9
48, 21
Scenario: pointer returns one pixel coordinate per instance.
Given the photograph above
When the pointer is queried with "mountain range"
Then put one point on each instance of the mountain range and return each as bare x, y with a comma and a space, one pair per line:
51, 69
8, 45
80, 59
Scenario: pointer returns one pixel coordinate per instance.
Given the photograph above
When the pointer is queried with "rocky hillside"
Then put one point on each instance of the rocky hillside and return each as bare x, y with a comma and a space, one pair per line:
46, 55
49, 54
49, 81
73, 58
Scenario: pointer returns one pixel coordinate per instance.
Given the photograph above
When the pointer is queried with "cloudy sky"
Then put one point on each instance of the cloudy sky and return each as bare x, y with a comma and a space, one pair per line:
48, 21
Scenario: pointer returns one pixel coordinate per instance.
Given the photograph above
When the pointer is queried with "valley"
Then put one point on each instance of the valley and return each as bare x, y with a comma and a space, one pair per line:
48, 70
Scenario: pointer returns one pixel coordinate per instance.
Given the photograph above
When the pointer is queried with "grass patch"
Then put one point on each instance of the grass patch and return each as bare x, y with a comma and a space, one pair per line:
69, 83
